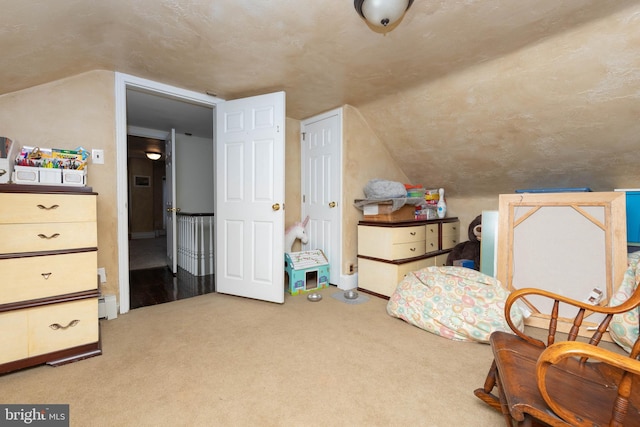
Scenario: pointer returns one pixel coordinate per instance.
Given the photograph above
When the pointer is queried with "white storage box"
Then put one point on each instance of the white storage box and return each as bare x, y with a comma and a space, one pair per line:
25, 175
5, 171
8, 150
74, 177
50, 176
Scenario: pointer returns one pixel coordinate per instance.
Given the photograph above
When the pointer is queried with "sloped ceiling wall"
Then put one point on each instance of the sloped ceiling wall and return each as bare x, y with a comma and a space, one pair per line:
563, 112
478, 96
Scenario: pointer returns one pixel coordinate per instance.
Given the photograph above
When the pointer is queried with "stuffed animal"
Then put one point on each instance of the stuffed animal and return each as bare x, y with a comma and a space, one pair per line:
470, 249
295, 231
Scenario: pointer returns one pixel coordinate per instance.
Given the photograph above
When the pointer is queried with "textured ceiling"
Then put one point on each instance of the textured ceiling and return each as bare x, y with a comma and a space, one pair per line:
478, 96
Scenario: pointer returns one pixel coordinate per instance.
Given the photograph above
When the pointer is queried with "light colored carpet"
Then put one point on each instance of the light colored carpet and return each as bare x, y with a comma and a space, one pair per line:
218, 360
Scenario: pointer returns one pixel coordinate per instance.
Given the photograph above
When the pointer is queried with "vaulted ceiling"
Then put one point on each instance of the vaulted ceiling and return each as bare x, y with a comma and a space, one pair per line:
477, 96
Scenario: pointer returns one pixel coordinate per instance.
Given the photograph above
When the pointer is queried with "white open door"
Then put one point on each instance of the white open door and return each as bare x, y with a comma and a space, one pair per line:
249, 151
321, 186
170, 208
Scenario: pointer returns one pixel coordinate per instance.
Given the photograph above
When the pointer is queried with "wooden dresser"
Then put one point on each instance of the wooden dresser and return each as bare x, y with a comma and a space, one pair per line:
48, 275
387, 251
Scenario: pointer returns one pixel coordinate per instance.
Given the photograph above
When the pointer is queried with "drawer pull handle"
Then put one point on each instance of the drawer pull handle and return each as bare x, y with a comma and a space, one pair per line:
2, 171
412, 249
49, 208
56, 326
46, 275
413, 233
53, 236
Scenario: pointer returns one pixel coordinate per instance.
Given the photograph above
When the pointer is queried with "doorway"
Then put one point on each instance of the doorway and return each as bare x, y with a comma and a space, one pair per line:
147, 228
149, 109
151, 280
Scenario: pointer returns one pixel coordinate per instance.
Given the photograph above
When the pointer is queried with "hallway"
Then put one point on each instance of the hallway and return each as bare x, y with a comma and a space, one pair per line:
151, 281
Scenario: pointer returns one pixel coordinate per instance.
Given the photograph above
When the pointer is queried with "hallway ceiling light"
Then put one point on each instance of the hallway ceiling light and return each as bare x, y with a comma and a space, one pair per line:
382, 13
153, 156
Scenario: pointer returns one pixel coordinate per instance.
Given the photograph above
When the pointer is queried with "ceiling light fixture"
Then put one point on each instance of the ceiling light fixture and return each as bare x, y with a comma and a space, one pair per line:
382, 13
153, 156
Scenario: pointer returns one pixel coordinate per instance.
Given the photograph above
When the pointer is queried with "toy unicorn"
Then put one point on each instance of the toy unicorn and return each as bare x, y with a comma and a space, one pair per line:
296, 231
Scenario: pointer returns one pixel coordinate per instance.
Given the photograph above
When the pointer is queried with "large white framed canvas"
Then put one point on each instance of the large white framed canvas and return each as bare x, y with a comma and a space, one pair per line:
567, 243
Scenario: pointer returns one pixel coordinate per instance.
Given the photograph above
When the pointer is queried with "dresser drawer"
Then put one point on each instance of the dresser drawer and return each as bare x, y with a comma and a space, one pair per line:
60, 326
383, 278
15, 341
30, 278
450, 234
431, 238
406, 250
408, 234
29, 208
441, 260
15, 238
391, 243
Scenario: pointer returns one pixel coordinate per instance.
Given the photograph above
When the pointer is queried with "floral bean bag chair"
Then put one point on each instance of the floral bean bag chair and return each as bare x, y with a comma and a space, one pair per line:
454, 302
624, 327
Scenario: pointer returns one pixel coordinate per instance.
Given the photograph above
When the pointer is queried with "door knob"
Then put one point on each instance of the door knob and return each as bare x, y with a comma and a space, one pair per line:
332, 204
275, 206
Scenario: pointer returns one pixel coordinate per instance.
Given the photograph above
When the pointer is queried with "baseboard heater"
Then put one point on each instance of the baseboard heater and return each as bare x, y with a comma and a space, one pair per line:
107, 307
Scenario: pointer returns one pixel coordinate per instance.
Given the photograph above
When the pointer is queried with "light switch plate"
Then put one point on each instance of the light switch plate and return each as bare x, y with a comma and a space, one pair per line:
97, 157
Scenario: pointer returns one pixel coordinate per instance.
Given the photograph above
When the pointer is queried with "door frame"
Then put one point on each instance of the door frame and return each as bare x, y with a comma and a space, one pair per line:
122, 83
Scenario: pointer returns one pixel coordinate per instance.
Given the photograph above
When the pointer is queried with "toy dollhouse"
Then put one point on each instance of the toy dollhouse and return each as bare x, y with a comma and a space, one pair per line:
306, 271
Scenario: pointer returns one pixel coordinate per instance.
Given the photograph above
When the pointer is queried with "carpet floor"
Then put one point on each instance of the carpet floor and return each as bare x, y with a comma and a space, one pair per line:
219, 360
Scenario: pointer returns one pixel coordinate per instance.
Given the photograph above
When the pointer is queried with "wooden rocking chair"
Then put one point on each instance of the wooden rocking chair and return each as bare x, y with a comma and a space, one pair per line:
565, 383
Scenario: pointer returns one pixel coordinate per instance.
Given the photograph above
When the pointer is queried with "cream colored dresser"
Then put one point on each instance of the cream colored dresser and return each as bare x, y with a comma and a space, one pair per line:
48, 275
387, 251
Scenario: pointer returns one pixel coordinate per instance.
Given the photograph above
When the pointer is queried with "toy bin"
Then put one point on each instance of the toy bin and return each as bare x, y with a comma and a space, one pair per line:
50, 176
74, 177
25, 175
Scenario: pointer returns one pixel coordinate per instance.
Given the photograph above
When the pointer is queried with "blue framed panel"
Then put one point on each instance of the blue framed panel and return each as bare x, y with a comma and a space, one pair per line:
633, 216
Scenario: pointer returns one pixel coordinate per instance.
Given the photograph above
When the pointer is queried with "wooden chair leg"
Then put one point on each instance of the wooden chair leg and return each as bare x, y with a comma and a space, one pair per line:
504, 408
485, 394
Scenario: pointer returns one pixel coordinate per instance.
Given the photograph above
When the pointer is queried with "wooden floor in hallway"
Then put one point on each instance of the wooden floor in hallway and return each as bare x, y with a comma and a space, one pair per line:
158, 285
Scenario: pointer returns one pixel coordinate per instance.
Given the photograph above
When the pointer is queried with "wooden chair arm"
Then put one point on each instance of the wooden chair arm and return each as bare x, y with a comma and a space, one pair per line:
556, 353
629, 304
581, 307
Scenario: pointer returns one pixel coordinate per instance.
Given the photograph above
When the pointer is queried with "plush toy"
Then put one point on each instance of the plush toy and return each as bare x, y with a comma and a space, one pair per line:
296, 231
470, 249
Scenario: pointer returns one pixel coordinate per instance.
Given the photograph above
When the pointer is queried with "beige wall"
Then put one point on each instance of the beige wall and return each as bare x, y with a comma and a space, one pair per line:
467, 208
68, 113
292, 177
365, 157
80, 111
